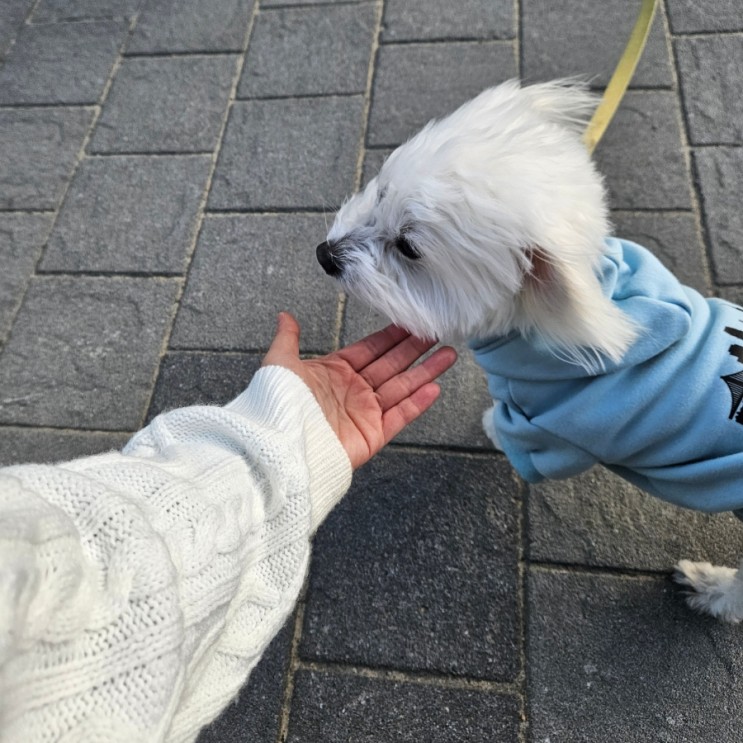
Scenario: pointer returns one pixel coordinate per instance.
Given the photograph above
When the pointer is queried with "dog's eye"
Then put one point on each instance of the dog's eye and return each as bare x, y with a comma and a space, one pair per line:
402, 244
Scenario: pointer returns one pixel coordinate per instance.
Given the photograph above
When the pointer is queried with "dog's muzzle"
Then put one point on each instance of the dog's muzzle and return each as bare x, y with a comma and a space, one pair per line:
329, 258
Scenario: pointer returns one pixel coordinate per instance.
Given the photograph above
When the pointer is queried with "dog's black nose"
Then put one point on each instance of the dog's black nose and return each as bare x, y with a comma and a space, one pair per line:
330, 262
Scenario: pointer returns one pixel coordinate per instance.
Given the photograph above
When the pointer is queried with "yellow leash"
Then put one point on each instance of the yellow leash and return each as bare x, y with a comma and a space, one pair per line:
625, 68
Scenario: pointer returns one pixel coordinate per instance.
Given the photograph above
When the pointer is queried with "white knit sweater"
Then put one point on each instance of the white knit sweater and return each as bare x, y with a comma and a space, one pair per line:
139, 589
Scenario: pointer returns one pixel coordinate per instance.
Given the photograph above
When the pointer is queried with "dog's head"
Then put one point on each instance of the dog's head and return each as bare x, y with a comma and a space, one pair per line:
488, 221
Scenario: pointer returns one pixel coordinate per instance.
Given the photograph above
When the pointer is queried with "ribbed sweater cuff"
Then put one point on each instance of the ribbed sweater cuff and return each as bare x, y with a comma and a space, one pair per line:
279, 398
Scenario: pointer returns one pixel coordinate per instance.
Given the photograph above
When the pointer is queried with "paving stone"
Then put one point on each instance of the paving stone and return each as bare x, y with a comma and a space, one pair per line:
563, 38
284, 58
191, 26
360, 320
732, 294
416, 569
245, 270
689, 16
28, 445
83, 352
12, 15
373, 161
83, 10
598, 519
341, 709
188, 378
456, 418
417, 82
271, 3
616, 658
255, 715
38, 150
410, 20
672, 237
711, 75
165, 105
129, 214
293, 153
641, 154
720, 174
60, 62
22, 237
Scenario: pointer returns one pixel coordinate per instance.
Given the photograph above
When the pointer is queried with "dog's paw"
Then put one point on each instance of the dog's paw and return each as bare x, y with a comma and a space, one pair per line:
714, 590
488, 425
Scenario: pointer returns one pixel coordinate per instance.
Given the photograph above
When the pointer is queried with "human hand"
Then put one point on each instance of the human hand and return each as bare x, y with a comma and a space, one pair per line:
366, 390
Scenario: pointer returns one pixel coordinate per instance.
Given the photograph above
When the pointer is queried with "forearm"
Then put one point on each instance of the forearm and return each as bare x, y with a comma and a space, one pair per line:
175, 560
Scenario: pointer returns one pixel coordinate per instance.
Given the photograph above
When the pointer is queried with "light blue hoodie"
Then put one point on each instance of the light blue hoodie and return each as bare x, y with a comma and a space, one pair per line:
668, 417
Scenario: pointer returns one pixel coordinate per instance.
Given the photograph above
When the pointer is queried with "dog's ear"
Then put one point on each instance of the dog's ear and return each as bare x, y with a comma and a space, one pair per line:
562, 302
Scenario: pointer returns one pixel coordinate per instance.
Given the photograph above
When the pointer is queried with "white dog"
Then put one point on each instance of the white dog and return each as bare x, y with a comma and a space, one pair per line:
491, 225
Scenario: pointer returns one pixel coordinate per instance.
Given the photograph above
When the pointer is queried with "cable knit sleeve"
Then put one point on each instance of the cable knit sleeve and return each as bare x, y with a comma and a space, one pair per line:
139, 589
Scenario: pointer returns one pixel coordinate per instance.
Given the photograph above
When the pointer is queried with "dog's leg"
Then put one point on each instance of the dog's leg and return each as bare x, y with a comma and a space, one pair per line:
714, 590
488, 424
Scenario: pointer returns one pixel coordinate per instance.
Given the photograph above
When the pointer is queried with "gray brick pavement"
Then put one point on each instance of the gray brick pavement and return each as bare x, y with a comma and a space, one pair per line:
373, 161
447, 601
196, 378
695, 16
69, 357
618, 658
13, 14
371, 709
712, 84
49, 11
432, 520
191, 26
245, 270
572, 37
675, 237
21, 239
150, 230
278, 154
38, 149
165, 104
24, 444
60, 63
439, 20
720, 174
284, 58
646, 130
417, 82
598, 520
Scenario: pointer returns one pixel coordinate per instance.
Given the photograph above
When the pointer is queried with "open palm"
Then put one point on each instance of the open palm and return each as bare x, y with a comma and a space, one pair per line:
367, 390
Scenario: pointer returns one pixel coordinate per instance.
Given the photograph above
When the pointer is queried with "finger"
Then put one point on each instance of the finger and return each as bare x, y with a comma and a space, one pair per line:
405, 412
363, 352
286, 341
404, 385
396, 360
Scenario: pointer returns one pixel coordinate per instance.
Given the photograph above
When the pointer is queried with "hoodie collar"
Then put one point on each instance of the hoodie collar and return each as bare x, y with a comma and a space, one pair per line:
639, 285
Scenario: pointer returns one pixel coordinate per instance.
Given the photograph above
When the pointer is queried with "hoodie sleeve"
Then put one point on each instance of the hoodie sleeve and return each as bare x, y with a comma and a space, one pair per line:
536, 453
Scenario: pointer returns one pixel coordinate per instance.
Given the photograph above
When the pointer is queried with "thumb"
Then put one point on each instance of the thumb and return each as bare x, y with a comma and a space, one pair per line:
286, 340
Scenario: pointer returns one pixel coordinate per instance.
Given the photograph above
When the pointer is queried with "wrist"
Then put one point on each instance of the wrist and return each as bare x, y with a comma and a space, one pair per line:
283, 400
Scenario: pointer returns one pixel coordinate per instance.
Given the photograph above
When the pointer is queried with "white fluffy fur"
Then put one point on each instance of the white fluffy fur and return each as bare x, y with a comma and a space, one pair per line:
508, 214
714, 590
